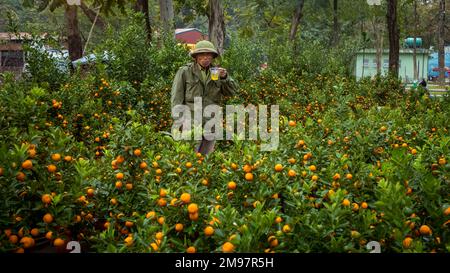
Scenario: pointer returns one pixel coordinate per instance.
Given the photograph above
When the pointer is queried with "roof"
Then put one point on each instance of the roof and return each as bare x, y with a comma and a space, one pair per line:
9, 36
183, 30
402, 51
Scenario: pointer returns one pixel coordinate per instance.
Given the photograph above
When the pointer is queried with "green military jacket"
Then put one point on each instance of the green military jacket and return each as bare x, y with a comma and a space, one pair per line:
188, 84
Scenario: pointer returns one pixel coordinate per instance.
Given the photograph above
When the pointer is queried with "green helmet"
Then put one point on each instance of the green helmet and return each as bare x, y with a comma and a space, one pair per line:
204, 47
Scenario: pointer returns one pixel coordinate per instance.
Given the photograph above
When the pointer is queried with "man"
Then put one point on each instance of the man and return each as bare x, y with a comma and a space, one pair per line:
194, 80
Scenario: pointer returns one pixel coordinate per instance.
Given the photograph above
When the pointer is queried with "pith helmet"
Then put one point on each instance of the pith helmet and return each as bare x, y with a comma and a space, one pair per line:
204, 47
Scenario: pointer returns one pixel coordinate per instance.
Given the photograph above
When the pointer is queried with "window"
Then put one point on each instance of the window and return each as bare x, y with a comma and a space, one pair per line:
366, 62
11, 58
386, 63
374, 63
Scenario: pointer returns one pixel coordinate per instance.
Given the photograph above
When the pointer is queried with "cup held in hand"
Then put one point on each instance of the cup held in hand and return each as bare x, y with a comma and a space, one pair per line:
214, 73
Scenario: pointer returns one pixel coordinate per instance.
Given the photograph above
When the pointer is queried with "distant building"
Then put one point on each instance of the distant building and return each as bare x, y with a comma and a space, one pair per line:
189, 36
12, 57
366, 63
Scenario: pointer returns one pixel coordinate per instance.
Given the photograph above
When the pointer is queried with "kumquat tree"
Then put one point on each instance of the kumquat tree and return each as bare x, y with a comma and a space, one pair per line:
330, 126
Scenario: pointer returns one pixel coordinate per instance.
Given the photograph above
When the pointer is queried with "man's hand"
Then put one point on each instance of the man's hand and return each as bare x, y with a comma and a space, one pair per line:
222, 73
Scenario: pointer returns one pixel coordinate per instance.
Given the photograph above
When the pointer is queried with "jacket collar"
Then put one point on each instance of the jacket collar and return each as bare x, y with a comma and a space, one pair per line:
196, 71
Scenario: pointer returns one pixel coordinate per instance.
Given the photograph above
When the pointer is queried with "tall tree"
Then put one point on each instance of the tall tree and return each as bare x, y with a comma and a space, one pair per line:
377, 22
71, 17
415, 39
364, 42
166, 15
378, 32
73, 33
336, 28
142, 6
394, 37
216, 29
298, 14
441, 34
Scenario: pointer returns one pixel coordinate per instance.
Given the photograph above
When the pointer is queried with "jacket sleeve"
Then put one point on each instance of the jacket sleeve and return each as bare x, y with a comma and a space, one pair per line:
178, 89
229, 86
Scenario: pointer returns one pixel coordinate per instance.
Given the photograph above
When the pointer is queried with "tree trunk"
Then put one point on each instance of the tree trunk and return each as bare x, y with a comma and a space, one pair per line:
415, 36
335, 38
73, 33
216, 29
364, 48
137, 7
298, 14
148, 26
91, 14
142, 6
378, 33
441, 49
394, 36
381, 50
166, 15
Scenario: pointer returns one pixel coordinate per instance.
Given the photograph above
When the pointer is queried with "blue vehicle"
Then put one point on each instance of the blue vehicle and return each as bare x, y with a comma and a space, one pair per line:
92, 58
433, 66
61, 58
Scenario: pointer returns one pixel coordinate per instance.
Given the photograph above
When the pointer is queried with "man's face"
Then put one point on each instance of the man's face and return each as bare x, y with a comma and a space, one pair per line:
204, 59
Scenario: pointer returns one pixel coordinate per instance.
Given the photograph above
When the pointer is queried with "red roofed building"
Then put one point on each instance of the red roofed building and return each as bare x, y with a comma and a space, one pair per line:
189, 36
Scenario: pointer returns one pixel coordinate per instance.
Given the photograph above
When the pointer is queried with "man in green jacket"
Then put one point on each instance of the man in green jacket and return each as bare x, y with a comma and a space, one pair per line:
195, 80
